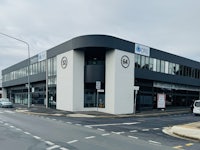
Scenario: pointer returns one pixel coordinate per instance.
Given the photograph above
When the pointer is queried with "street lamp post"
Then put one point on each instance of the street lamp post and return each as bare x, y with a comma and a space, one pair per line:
28, 62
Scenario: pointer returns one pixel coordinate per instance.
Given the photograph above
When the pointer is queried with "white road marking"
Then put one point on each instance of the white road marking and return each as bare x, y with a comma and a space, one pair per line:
88, 126
18, 129
12, 127
118, 133
106, 134
37, 137
154, 142
113, 124
49, 143
133, 131
27, 133
130, 123
133, 137
156, 128
101, 129
145, 130
68, 122
89, 137
74, 141
63, 148
8, 111
52, 147
78, 124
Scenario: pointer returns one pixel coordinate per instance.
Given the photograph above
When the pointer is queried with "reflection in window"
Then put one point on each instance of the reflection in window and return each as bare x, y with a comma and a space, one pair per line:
151, 64
137, 61
162, 67
146, 66
177, 69
158, 65
142, 61
166, 67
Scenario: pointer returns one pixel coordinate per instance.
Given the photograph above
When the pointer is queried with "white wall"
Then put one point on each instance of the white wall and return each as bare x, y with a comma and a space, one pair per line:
119, 83
118, 89
78, 80
70, 81
64, 87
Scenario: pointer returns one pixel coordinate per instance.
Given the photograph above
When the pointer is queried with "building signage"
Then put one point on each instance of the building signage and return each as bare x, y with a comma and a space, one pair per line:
98, 85
64, 62
42, 56
34, 60
125, 61
142, 50
161, 100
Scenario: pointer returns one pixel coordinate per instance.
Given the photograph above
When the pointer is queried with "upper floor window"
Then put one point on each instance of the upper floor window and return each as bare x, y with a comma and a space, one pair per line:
162, 66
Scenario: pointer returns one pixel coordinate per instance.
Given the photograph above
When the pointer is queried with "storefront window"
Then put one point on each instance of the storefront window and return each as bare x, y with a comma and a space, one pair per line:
137, 61
162, 68
151, 64
142, 61
158, 65
52, 71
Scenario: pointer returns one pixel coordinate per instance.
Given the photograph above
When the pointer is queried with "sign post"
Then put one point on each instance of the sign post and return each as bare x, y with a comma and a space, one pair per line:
98, 87
136, 89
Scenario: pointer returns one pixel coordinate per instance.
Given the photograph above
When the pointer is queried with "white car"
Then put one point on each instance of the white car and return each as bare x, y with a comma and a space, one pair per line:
196, 109
4, 102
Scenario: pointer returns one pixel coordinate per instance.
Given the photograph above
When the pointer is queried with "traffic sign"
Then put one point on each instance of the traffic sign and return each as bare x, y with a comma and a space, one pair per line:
98, 85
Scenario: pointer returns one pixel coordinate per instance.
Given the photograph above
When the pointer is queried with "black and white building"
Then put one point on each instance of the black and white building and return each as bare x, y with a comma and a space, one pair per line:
104, 73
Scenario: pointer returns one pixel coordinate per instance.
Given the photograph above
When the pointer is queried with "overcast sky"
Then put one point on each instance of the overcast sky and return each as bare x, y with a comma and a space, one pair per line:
172, 25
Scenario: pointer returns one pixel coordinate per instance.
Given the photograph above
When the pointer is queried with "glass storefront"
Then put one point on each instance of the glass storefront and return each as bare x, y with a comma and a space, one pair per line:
177, 96
94, 71
19, 95
52, 71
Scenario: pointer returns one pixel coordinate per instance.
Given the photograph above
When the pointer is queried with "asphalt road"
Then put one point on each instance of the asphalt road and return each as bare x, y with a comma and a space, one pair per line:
27, 132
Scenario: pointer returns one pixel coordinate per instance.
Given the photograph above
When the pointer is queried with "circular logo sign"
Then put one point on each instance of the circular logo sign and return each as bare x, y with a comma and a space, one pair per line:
64, 62
125, 62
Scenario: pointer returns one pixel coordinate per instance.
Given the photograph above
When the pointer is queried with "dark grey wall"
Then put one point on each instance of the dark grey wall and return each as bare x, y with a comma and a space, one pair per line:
109, 42
162, 77
174, 58
94, 73
33, 78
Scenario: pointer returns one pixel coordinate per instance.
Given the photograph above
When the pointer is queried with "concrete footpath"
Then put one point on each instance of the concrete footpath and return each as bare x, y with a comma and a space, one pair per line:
41, 110
191, 131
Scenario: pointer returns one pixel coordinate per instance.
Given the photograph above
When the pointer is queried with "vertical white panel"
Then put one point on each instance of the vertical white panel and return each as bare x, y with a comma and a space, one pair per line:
119, 82
110, 82
70, 81
78, 81
166, 67
65, 82
154, 64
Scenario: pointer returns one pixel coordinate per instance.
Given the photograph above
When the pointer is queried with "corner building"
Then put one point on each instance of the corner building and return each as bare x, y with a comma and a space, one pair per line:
101, 73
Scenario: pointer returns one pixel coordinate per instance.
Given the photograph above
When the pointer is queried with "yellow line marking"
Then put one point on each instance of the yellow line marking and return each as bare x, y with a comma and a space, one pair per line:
178, 147
189, 144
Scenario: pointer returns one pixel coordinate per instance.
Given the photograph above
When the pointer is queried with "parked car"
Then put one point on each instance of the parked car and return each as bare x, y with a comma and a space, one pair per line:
6, 103
196, 107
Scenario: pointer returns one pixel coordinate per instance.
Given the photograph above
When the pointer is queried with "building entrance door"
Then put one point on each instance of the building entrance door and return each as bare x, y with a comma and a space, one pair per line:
90, 98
